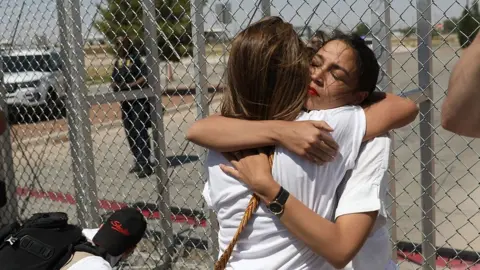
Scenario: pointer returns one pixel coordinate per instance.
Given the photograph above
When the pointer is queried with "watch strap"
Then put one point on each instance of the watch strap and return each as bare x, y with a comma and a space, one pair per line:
282, 196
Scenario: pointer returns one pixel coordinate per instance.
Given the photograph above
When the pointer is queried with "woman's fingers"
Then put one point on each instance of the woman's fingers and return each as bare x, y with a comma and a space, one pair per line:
230, 171
331, 143
322, 148
325, 142
315, 159
322, 125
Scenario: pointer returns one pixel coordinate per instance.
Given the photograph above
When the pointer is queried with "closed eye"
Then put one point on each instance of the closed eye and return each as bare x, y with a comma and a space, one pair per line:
337, 67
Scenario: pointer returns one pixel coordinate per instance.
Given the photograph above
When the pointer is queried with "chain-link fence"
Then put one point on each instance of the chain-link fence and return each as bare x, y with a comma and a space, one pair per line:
68, 150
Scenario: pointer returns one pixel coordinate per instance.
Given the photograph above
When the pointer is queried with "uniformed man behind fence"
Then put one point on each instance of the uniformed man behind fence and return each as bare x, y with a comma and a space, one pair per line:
130, 73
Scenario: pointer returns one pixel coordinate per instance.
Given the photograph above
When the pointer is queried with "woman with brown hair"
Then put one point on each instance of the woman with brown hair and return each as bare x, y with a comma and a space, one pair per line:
269, 79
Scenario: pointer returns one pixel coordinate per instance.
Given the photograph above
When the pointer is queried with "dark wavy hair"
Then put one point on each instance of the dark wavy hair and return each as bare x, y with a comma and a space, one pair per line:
366, 62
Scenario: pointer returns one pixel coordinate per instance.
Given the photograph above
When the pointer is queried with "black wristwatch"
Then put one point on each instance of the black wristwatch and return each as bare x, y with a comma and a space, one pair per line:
277, 205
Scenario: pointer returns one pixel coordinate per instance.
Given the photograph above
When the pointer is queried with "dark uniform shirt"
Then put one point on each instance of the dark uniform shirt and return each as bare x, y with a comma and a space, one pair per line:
128, 70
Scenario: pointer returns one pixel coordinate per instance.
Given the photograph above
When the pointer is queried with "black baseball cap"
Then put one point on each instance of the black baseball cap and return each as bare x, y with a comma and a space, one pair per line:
122, 231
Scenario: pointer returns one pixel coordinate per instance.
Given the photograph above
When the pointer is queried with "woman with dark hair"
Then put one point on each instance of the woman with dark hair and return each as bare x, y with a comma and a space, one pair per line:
267, 82
364, 188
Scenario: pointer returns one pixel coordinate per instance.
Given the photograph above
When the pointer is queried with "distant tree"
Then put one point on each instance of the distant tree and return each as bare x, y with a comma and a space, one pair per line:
475, 10
450, 25
362, 29
124, 17
468, 25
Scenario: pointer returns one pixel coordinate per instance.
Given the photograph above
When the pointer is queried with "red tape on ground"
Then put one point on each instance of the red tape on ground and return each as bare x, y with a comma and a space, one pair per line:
440, 262
104, 204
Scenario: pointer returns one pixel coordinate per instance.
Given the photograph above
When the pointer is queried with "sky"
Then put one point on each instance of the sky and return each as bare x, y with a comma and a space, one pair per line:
40, 16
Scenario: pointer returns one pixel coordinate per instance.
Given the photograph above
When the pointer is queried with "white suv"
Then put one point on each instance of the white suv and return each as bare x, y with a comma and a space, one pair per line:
33, 80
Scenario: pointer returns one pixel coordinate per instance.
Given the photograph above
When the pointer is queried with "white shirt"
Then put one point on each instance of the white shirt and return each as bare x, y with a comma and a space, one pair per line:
266, 243
91, 262
364, 189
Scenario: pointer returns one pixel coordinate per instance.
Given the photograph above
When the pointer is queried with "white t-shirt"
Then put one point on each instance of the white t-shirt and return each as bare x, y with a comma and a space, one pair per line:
266, 243
91, 262
364, 189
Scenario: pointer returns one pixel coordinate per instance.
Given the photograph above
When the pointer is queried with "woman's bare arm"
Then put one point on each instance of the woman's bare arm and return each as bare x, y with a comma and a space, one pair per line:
388, 112
460, 111
383, 112
310, 139
229, 134
337, 242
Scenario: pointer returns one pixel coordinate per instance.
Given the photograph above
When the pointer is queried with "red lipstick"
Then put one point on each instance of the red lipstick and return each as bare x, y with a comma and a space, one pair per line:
312, 92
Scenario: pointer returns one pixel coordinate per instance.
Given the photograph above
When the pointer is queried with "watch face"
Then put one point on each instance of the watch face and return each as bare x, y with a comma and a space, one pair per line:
275, 208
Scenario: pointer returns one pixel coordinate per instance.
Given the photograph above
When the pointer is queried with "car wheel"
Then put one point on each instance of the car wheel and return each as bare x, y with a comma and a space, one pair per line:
19, 114
14, 116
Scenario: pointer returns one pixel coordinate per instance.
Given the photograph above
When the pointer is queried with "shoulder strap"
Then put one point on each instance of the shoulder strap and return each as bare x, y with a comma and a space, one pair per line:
47, 220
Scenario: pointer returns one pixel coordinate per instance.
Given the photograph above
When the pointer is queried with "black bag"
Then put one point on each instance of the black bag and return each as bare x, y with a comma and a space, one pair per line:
44, 242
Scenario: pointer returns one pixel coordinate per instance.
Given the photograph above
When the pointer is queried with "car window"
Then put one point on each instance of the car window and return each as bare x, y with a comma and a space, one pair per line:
23, 63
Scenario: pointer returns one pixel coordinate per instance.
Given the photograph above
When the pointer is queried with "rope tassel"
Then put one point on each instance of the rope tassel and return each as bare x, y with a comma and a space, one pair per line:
251, 208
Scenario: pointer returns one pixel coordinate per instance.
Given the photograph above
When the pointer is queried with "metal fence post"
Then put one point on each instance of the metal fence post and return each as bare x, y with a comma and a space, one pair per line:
80, 139
424, 39
266, 8
152, 59
201, 91
381, 41
199, 60
9, 212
